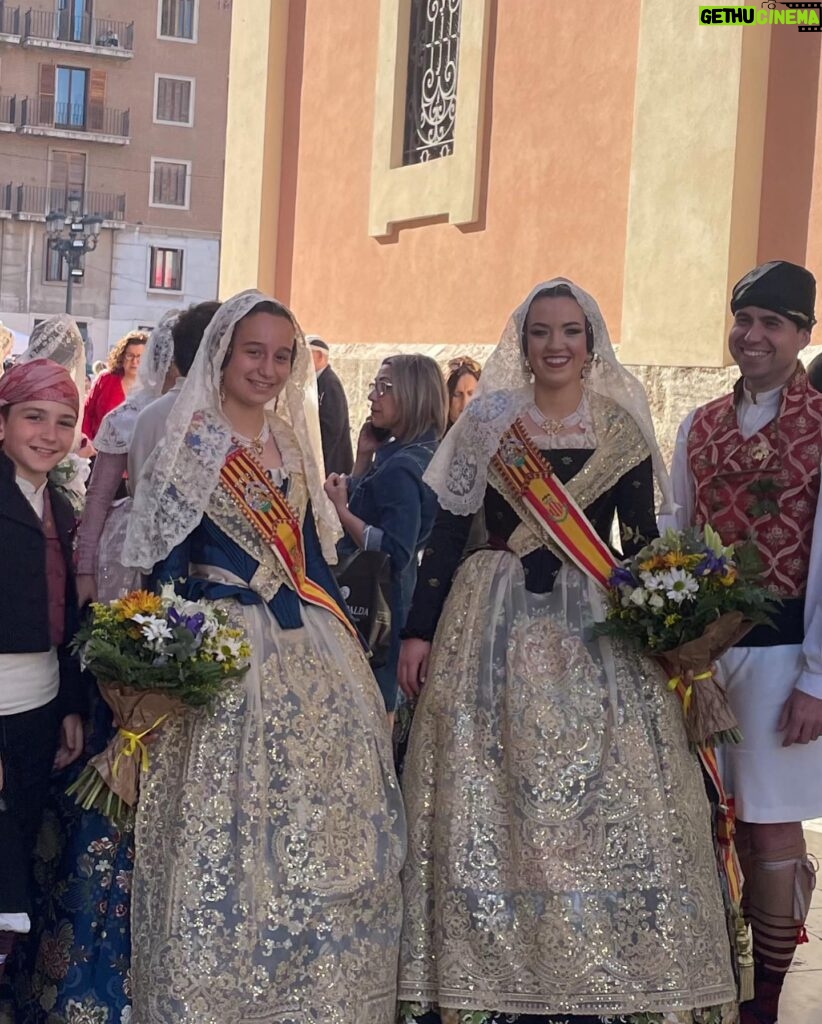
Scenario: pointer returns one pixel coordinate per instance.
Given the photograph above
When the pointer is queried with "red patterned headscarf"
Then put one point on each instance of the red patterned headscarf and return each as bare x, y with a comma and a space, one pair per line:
41, 380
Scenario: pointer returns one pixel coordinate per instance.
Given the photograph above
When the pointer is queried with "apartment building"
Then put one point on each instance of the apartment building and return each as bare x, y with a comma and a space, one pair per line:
123, 105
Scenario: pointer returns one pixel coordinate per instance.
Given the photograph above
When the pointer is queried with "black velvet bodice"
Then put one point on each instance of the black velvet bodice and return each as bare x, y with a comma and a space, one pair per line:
631, 499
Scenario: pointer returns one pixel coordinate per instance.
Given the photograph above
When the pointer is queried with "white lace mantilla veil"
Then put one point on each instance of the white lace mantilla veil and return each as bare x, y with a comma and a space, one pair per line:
117, 428
458, 473
183, 471
58, 338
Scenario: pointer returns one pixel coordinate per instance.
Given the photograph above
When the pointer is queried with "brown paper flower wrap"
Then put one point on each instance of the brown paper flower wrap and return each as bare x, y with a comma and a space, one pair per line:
110, 781
153, 655
684, 599
690, 669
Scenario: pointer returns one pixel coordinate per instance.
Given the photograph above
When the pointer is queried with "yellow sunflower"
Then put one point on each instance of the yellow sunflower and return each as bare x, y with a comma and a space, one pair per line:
679, 560
654, 562
138, 602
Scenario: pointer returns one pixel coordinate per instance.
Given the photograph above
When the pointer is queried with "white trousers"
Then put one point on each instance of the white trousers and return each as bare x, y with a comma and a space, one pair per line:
769, 782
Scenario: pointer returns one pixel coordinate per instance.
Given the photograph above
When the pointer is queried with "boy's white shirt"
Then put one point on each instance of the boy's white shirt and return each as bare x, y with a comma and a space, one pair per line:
29, 681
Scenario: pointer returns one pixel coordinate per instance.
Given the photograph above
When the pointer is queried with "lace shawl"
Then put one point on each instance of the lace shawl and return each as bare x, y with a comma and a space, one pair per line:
180, 476
58, 338
458, 473
117, 428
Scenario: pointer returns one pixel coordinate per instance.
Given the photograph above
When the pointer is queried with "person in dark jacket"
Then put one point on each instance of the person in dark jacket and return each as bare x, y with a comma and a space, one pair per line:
385, 506
41, 699
335, 427
815, 372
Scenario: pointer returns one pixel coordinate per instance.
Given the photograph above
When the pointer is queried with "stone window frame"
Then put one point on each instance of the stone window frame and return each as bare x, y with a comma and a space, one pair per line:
177, 78
450, 185
179, 39
153, 250
155, 160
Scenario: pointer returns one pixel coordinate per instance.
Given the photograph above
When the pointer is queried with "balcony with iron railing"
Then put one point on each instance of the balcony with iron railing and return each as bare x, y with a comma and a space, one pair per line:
46, 116
66, 30
9, 23
8, 113
5, 198
33, 202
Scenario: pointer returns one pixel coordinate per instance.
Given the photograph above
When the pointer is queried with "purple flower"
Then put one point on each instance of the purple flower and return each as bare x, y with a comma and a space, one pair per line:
622, 577
193, 623
710, 563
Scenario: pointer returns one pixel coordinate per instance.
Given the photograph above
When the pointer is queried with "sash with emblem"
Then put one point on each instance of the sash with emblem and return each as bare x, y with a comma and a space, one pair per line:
523, 469
268, 512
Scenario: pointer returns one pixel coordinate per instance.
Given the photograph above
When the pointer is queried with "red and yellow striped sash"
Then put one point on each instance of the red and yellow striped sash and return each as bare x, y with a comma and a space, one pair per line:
264, 506
532, 480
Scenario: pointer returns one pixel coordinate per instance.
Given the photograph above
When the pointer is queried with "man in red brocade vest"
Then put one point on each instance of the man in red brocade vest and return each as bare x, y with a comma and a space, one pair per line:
749, 464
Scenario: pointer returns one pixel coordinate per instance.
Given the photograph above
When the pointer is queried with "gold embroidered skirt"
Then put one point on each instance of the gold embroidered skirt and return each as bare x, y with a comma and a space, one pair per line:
560, 855
269, 841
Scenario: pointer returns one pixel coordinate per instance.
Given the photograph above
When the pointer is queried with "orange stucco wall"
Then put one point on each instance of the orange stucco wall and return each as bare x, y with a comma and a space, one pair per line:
555, 177
790, 220
812, 144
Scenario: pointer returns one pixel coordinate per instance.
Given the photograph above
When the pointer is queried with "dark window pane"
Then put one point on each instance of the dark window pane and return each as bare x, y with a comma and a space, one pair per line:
431, 92
166, 270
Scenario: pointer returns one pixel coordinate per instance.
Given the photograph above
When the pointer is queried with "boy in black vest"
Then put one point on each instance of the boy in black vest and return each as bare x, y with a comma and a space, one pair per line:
40, 684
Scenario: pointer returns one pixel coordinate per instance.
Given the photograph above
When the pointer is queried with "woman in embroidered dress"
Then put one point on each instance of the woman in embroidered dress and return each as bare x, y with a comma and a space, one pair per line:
561, 864
270, 835
100, 573
84, 864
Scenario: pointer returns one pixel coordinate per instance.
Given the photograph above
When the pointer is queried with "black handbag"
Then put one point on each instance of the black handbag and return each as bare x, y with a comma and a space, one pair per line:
364, 577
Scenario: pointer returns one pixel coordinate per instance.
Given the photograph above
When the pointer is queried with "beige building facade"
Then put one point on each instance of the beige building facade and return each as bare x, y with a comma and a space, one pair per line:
124, 105
651, 158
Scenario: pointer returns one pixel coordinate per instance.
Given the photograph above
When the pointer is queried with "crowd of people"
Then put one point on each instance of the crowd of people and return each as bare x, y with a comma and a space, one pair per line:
552, 852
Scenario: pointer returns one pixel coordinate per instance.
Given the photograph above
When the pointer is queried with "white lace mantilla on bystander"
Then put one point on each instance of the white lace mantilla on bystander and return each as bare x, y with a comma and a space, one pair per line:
58, 338
117, 429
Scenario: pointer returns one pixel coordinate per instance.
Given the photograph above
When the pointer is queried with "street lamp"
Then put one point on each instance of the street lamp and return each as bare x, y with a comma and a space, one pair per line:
73, 234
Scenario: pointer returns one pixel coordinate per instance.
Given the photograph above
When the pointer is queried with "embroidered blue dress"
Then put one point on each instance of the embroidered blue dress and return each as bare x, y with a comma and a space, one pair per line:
77, 957
270, 834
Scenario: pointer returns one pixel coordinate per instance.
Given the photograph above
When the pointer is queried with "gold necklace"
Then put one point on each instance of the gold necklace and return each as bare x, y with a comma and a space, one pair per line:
255, 444
550, 426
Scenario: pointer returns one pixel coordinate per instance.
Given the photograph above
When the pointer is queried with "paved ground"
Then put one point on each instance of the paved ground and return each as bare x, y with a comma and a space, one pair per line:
802, 998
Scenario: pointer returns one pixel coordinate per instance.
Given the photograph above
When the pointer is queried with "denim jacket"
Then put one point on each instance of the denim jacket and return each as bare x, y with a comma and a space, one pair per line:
399, 510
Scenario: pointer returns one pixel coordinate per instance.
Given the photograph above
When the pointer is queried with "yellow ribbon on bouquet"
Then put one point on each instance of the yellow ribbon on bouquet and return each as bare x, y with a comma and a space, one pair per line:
685, 693
135, 743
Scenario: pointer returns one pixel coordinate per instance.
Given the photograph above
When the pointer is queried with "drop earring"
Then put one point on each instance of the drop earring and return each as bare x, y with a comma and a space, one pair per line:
222, 390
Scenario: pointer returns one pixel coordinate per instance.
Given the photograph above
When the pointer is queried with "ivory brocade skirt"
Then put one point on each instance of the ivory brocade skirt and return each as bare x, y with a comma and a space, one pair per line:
270, 838
560, 862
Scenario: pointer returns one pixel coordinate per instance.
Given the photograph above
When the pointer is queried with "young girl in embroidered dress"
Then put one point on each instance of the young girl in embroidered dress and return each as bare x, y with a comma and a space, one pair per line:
561, 865
269, 836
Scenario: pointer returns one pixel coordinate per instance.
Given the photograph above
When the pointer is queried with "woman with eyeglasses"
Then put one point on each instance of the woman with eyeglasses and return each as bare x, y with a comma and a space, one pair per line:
113, 385
384, 505
463, 377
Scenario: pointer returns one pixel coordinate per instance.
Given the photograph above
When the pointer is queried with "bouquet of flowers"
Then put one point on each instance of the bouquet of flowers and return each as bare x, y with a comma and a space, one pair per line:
152, 655
685, 599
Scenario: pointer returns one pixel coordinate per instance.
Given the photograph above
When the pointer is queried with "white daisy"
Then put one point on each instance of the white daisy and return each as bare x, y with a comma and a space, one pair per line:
679, 585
